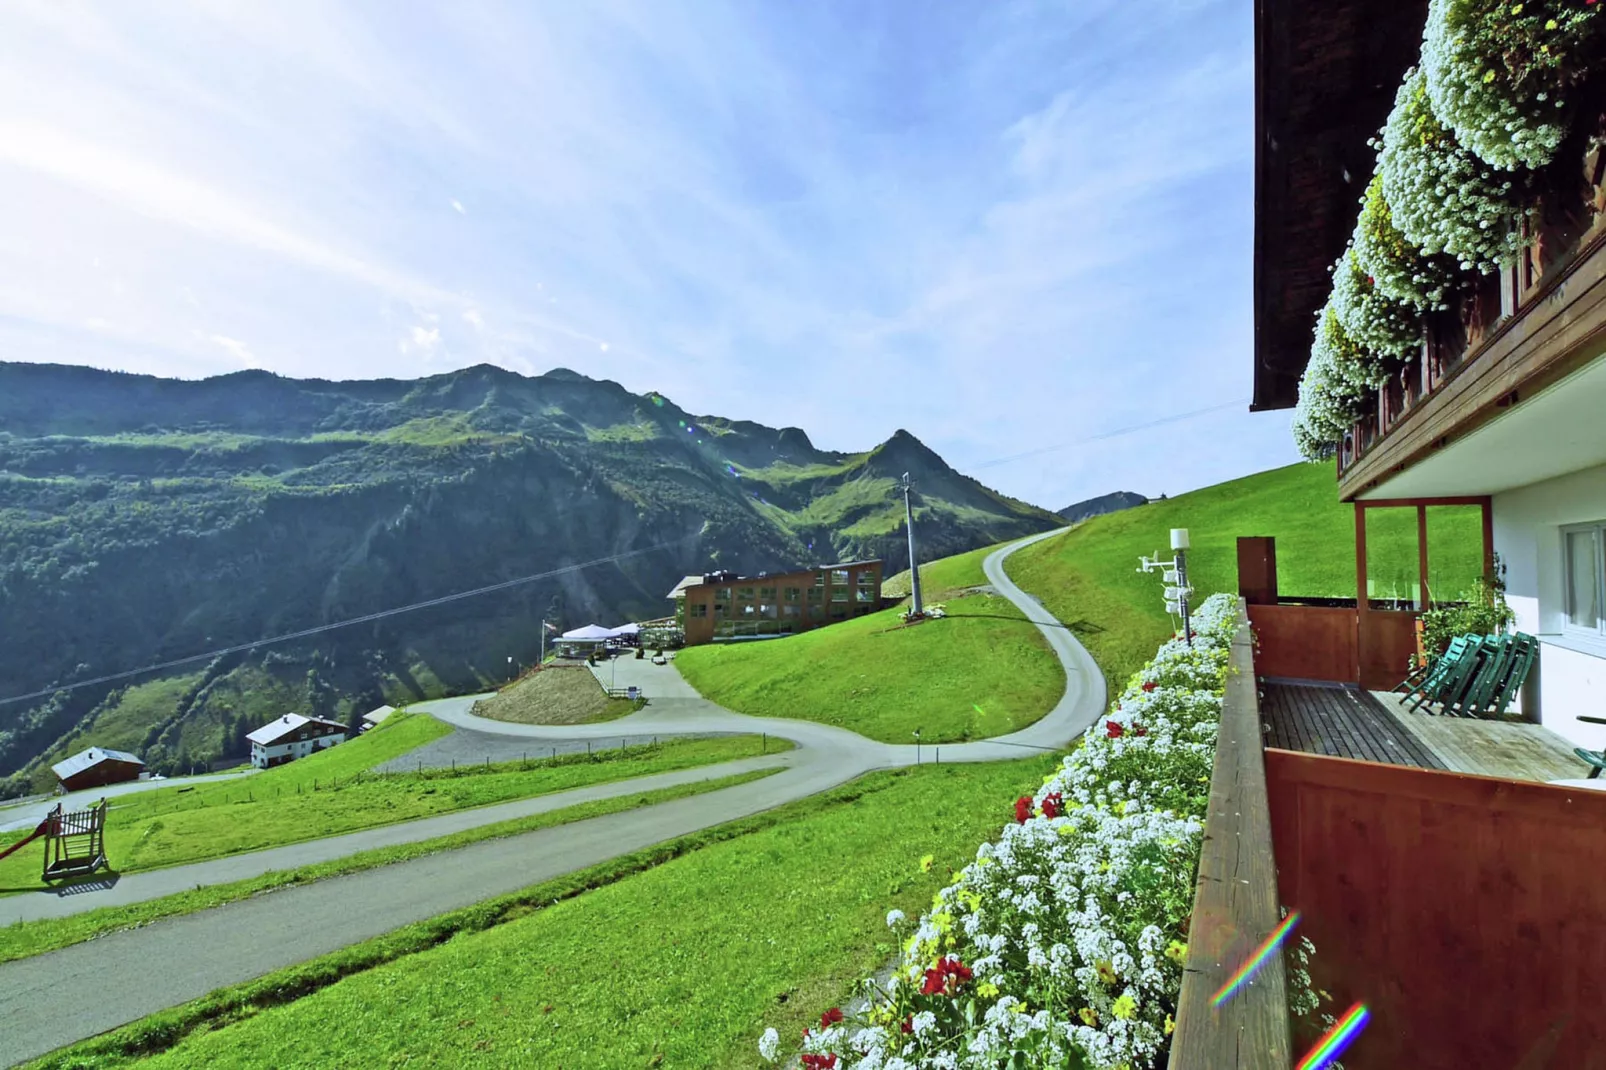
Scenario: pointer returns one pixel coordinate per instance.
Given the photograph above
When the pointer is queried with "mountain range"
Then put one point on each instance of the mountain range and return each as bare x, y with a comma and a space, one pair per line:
147, 520
1113, 502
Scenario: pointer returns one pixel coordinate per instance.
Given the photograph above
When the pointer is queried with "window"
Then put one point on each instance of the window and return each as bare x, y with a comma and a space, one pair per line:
793, 593
1581, 561
839, 594
790, 610
700, 609
767, 593
721, 611
722, 594
814, 594
816, 612
819, 581
839, 613
867, 579
744, 594
767, 610
866, 595
839, 575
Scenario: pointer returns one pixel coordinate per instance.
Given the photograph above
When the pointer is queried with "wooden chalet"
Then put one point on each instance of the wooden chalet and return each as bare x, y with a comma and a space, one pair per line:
97, 767
1442, 865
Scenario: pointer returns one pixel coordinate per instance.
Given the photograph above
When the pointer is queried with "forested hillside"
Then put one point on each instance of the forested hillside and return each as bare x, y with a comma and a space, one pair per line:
145, 520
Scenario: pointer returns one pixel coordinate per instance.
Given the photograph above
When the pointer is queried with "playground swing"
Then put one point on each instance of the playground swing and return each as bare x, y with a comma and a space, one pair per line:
75, 842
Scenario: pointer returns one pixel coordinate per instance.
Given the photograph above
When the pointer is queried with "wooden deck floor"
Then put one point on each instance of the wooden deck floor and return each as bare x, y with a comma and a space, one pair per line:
1339, 721
1517, 749
1346, 722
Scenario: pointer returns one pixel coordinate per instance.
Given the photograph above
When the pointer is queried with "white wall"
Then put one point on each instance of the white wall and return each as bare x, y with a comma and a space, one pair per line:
1527, 534
261, 755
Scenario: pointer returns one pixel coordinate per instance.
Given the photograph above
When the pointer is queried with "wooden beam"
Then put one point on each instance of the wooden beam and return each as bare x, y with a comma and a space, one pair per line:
1411, 503
1235, 903
1361, 599
1422, 554
1488, 535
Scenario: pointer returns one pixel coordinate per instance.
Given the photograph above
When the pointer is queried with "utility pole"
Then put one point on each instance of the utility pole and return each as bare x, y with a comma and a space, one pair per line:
916, 607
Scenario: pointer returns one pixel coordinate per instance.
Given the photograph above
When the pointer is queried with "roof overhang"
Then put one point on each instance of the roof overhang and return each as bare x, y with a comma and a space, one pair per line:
1325, 78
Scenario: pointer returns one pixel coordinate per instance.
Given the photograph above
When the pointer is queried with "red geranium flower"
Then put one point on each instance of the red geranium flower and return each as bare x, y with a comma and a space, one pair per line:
1053, 804
909, 1024
1113, 729
1139, 730
1023, 808
818, 1062
830, 1018
945, 977
1149, 685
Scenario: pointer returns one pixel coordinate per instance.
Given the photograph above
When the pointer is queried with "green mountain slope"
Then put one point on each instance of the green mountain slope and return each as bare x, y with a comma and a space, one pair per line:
143, 520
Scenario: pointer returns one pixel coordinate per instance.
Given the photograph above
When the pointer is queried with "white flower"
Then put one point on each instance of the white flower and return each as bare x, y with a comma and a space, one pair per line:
769, 1045
923, 1023
895, 918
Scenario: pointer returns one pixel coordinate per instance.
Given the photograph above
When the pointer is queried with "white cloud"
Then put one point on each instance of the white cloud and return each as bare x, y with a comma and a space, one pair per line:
237, 349
426, 339
458, 205
602, 346
473, 318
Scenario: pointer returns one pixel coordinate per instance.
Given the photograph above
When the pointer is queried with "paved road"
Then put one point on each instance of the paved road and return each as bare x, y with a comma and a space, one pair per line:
138, 972
467, 747
26, 816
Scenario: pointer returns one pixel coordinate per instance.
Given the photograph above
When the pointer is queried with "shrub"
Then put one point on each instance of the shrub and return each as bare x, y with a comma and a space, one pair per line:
1443, 198
1500, 75
1484, 612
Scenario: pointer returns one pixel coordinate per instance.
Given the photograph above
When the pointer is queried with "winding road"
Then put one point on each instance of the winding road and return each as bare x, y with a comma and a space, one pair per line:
55, 999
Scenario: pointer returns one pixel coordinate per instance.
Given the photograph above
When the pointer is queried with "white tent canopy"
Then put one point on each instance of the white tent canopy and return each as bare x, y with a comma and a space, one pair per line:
627, 629
591, 633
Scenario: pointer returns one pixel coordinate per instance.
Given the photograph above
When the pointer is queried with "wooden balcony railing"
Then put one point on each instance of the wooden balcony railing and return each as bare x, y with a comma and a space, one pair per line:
1571, 228
1235, 904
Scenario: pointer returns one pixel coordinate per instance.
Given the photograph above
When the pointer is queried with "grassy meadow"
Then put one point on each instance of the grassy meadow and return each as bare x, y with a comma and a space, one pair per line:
1087, 577
327, 794
677, 957
564, 695
983, 670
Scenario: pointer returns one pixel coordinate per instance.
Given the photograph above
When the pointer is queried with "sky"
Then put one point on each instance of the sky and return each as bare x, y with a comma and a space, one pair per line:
1013, 229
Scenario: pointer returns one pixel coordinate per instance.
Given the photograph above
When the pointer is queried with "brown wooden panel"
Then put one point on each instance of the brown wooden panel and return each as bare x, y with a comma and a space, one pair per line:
1386, 641
1305, 642
1257, 569
1464, 911
1234, 903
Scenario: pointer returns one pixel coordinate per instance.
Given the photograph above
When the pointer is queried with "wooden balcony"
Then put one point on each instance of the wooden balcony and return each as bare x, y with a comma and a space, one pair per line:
1462, 910
1509, 336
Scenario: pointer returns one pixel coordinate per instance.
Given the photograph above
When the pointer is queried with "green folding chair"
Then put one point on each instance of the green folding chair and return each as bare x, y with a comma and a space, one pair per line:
1490, 677
1430, 678
1595, 759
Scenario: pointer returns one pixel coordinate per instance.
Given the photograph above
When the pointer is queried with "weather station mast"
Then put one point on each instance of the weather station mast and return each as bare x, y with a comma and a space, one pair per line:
917, 608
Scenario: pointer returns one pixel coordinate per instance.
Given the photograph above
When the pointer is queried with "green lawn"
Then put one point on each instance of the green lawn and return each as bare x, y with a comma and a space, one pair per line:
1087, 577
939, 577
323, 795
982, 671
763, 922
23, 939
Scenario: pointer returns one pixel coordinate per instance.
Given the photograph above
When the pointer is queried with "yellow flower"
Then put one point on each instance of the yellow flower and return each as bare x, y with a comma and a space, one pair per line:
986, 990
1089, 1016
942, 921
925, 863
1488, 76
1170, 1026
1017, 1008
1176, 951
1550, 24
1125, 1007
1106, 972
1516, 9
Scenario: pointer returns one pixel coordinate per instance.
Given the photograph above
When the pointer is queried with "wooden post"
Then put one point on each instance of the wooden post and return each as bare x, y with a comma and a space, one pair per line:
1487, 505
1422, 555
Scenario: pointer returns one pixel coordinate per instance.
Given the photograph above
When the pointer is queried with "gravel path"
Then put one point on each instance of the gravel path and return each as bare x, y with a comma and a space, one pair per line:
138, 972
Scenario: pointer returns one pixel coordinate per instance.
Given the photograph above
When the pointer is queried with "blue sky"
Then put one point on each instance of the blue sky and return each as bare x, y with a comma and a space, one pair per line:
1003, 226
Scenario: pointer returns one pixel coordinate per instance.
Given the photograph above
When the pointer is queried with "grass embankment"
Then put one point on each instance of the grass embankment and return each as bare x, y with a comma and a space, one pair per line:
943, 577
1088, 579
983, 670
713, 937
37, 937
330, 793
561, 695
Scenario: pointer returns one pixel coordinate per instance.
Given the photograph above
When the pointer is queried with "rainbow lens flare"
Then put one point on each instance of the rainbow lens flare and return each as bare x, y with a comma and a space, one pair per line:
1256, 960
1336, 1039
